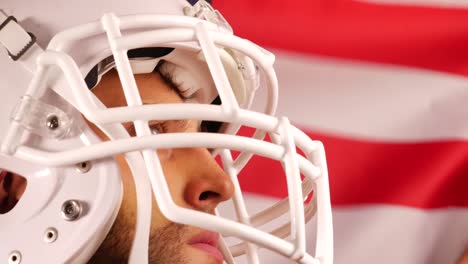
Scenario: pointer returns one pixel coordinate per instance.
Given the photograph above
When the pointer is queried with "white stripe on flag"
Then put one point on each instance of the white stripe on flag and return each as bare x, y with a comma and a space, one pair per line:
403, 235
372, 101
384, 234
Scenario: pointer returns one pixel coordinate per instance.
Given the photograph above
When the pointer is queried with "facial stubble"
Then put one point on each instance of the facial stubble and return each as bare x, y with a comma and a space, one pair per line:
165, 244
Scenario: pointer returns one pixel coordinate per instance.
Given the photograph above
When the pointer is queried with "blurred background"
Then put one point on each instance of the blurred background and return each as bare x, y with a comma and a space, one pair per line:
383, 84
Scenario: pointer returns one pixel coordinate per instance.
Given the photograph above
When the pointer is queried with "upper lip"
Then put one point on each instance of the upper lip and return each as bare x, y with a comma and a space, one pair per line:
206, 237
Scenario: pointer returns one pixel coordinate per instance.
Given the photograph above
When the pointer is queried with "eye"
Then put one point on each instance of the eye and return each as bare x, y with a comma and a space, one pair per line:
158, 128
154, 130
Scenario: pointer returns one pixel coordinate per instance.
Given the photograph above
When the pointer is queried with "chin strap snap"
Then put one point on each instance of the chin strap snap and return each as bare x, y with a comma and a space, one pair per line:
20, 44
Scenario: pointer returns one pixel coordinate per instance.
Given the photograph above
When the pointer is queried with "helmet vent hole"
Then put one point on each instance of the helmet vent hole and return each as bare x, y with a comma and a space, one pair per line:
14, 258
50, 235
12, 187
83, 167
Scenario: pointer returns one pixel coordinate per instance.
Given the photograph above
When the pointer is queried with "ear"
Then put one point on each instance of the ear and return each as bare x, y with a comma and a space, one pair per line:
12, 187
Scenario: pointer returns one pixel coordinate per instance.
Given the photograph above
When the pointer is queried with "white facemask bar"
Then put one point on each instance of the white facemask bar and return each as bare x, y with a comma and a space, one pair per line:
227, 112
266, 59
187, 140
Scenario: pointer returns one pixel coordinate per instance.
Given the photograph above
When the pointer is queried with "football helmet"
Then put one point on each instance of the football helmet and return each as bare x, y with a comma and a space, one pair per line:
53, 53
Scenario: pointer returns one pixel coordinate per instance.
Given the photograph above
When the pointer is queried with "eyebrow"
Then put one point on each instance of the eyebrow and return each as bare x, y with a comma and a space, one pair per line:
169, 81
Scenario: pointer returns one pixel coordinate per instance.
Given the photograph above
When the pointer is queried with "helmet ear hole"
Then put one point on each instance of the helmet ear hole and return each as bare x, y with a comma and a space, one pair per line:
12, 187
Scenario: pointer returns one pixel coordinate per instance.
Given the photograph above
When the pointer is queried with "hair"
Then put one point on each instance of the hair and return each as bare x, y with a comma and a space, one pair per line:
164, 243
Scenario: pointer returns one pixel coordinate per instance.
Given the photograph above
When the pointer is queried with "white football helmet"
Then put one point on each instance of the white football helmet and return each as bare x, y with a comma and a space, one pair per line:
53, 53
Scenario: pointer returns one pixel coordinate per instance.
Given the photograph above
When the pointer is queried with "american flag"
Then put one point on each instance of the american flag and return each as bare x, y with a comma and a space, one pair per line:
383, 84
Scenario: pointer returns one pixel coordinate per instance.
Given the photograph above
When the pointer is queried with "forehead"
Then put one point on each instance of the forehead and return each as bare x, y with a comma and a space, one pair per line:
152, 87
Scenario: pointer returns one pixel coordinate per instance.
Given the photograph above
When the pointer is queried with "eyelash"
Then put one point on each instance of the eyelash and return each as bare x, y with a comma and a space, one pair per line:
159, 127
205, 126
170, 81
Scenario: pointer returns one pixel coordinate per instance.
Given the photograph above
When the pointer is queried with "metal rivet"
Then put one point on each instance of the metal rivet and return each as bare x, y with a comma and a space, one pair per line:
84, 166
14, 258
50, 235
71, 210
53, 122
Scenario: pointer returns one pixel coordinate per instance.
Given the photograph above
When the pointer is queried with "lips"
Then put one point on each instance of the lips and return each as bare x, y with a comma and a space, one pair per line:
208, 243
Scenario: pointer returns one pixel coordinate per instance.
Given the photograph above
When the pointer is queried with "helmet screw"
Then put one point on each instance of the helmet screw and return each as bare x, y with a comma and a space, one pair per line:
84, 166
52, 122
71, 210
50, 235
14, 258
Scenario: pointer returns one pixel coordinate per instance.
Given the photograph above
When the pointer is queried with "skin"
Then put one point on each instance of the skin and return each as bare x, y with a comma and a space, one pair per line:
11, 189
194, 178
195, 181
464, 258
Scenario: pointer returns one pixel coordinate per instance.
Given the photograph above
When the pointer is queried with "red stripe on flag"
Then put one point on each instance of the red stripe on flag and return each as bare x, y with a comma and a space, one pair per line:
422, 175
423, 37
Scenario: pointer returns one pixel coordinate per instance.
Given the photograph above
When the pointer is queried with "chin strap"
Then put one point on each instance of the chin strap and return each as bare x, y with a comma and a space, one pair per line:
20, 44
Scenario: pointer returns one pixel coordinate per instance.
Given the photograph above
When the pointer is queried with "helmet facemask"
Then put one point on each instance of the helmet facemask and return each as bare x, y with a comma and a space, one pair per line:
221, 74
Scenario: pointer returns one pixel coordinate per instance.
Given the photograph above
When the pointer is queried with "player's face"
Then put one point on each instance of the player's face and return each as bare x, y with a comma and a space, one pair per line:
195, 181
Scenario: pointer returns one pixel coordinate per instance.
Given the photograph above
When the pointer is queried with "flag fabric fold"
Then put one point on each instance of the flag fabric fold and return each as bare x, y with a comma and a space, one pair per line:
384, 85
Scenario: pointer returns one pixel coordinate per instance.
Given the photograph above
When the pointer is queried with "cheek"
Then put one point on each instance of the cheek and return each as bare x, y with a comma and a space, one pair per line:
173, 169
129, 203
165, 155
173, 172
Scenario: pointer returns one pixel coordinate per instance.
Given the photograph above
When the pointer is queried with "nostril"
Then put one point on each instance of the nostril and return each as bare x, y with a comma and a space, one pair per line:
208, 195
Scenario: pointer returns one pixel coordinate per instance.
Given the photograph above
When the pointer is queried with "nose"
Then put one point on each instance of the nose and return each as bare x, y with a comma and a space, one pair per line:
207, 184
